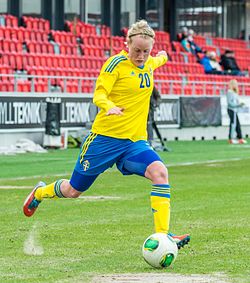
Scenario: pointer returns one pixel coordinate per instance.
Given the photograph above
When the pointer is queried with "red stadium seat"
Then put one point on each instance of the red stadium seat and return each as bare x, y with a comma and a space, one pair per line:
7, 86
11, 21
24, 86
41, 87
86, 59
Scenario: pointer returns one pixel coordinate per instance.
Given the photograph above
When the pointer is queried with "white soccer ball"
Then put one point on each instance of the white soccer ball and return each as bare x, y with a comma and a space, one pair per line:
159, 250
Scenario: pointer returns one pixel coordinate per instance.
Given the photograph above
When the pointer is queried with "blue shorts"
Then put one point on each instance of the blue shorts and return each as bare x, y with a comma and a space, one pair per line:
98, 153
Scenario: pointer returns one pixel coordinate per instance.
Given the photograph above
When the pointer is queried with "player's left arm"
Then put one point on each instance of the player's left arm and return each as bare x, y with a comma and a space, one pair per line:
162, 53
160, 59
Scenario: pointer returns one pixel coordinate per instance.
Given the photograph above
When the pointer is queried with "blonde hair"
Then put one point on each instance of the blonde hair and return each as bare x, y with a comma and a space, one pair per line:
233, 85
140, 28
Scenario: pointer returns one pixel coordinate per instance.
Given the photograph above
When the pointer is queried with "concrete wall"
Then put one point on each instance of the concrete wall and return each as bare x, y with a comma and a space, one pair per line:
170, 134
200, 133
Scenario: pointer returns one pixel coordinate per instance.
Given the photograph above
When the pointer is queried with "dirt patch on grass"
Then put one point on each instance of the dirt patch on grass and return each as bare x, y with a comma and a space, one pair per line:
94, 198
159, 278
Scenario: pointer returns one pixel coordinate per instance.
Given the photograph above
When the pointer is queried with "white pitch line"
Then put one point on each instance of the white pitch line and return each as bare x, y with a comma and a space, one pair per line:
35, 177
113, 169
204, 162
15, 187
93, 198
98, 197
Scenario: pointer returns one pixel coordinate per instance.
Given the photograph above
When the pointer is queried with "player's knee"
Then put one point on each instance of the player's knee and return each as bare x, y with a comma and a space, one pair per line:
160, 176
157, 173
68, 191
74, 193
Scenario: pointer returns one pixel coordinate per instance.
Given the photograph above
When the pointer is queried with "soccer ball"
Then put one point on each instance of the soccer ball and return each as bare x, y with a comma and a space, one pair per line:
159, 250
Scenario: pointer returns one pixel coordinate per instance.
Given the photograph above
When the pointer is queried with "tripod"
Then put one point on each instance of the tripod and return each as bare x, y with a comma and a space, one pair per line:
155, 128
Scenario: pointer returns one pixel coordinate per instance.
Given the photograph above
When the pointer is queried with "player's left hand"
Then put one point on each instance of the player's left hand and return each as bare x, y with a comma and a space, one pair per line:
162, 52
115, 111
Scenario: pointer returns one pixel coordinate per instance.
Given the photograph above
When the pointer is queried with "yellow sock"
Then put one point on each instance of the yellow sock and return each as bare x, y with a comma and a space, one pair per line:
160, 204
50, 191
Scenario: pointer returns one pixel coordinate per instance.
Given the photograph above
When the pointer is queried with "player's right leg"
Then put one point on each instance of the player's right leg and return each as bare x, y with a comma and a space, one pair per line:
31, 203
62, 188
97, 154
41, 191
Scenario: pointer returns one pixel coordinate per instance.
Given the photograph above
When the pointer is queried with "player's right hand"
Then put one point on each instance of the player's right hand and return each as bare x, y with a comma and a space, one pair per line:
115, 111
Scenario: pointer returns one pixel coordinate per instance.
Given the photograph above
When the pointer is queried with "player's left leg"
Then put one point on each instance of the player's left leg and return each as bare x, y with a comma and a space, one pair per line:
148, 164
160, 201
160, 195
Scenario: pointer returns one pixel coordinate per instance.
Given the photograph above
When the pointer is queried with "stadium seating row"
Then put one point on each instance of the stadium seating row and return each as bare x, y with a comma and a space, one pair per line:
79, 52
23, 34
197, 77
9, 20
19, 61
64, 37
36, 23
80, 28
71, 86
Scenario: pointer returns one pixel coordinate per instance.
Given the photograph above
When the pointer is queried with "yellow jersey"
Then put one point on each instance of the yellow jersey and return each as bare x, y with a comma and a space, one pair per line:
125, 85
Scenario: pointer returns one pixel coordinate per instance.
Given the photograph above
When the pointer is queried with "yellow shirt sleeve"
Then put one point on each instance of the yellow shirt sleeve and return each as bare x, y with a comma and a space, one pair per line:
158, 61
104, 85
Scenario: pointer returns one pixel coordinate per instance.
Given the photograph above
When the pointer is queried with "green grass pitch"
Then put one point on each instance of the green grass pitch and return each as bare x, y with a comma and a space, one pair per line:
83, 237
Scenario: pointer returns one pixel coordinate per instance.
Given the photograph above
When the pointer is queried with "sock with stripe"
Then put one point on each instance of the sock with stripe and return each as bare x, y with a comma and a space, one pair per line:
160, 204
52, 190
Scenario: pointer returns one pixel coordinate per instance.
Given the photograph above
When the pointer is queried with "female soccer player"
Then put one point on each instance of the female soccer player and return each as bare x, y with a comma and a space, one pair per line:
118, 135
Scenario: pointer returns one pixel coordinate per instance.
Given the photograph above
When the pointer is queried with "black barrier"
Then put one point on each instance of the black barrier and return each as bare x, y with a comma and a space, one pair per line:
18, 112
52, 124
200, 111
168, 112
29, 111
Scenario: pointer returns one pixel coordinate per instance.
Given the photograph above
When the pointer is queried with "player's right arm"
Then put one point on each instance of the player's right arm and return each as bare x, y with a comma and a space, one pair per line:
115, 111
104, 86
105, 82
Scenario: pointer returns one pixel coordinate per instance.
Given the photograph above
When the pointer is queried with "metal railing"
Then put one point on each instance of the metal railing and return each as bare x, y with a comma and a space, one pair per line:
64, 84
